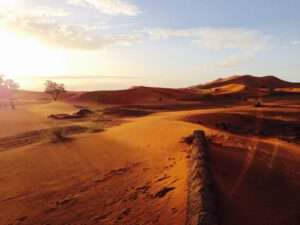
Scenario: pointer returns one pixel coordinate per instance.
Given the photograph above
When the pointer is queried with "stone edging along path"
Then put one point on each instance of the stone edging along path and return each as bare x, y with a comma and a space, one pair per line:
201, 207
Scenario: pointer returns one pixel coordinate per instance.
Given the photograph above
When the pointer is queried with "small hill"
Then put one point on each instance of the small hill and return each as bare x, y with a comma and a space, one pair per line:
137, 95
246, 84
251, 81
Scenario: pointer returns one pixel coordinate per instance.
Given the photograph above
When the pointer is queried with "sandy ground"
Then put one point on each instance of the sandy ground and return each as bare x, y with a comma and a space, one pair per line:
136, 173
256, 178
258, 187
131, 174
30, 117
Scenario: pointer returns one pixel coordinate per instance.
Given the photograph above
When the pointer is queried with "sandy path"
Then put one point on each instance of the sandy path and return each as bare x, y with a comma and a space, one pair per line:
131, 174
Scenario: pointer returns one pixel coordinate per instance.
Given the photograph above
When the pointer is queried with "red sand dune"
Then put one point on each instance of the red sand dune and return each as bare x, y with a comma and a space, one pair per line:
252, 82
136, 95
253, 85
234, 86
237, 85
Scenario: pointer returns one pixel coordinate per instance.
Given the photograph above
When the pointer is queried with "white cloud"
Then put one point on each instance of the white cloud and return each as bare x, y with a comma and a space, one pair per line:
110, 7
216, 38
63, 35
45, 11
49, 26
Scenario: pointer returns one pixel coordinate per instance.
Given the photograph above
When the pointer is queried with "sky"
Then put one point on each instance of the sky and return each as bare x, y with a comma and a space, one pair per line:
116, 44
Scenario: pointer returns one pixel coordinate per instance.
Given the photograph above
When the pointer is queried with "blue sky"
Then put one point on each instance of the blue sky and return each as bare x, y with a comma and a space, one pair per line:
113, 44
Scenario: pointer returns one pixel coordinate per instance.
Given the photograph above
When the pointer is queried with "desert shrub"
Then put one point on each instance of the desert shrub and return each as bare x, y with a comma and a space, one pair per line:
54, 89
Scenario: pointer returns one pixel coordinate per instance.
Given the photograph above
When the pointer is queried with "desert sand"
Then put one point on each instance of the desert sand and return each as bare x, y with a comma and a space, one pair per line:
126, 161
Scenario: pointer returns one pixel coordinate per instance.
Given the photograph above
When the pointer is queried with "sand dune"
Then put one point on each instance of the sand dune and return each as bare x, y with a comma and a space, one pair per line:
247, 85
136, 95
127, 163
252, 82
30, 117
125, 172
227, 89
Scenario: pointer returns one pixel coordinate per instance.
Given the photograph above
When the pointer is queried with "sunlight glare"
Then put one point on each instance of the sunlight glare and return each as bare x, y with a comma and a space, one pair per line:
21, 56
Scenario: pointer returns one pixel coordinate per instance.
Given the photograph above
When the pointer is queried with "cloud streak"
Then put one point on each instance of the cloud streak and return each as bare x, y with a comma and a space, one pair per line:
82, 77
215, 38
240, 45
110, 7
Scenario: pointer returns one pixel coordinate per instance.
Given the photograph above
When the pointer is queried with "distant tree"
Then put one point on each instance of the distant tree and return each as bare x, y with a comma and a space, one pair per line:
1, 80
11, 86
54, 89
7, 89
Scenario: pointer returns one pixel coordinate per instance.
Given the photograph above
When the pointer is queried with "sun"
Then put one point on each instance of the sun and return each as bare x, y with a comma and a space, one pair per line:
21, 56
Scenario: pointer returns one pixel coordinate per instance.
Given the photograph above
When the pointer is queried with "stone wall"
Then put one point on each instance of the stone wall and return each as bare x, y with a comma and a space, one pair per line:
202, 209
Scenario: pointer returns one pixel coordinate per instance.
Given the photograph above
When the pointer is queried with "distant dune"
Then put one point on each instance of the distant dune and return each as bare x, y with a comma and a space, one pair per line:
247, 84
240, 86
251, 81
236, 85
137, 95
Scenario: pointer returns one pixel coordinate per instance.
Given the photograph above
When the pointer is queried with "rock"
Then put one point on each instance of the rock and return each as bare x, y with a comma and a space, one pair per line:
82, 113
